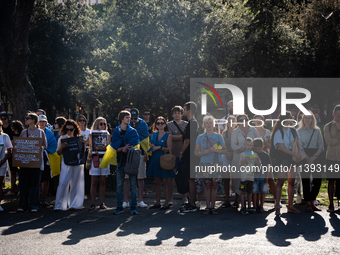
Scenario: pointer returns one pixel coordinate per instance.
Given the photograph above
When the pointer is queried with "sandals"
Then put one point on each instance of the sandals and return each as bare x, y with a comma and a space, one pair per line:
315, 208
206, 211
309, 208
292, 210
92, 207
103, 206
212, 211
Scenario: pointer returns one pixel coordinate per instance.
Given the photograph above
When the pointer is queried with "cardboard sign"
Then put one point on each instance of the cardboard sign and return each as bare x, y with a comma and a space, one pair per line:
74, 153
99, 141
27, 152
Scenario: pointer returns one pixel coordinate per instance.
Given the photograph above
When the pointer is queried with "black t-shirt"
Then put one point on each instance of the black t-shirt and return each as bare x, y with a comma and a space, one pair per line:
8, 131
265, 159
149, 127
121, 156
191, 133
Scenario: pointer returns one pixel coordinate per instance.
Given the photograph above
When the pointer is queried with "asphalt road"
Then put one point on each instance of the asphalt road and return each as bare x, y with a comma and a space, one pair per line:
166, 232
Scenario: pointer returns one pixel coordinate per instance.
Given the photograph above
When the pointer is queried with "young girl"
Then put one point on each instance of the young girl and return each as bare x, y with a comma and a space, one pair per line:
99, 126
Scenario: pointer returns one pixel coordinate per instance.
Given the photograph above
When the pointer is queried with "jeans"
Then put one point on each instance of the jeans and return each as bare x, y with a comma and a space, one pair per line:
120, 184
29, 179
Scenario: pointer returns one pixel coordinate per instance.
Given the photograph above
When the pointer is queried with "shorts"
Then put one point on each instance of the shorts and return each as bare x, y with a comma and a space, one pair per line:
99, 171
3, 171
259, 186
141, 170
332, 176
45, 175
246, 186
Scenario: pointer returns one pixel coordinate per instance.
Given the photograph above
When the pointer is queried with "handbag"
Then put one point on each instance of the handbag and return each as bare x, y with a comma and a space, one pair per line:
88, 159
167, 161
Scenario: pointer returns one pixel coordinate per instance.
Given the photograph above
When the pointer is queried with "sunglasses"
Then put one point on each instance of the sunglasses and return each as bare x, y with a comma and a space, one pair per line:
146, 113
81, 120
160, 123
69, 129
102, 124
133, 118
28, 118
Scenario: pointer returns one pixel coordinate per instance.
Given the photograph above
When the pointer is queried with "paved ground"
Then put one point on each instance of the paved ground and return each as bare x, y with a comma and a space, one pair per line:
167, 232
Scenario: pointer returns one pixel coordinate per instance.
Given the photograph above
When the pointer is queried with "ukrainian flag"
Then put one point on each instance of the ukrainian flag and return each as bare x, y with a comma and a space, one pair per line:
131, 137
143, 132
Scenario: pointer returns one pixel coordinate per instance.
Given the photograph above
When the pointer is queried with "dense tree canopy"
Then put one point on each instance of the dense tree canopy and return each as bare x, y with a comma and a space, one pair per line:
143, 52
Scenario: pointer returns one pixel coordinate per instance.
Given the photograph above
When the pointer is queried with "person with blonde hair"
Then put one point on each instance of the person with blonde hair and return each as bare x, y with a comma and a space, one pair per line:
209, 147
104, 139
311, 143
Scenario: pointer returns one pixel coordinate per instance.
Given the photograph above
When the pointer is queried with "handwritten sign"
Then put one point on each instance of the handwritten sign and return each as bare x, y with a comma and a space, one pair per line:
27, 152
74, 153
99, 141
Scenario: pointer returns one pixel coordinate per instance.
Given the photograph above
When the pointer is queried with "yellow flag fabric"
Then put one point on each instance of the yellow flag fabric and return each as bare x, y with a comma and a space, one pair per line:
55, 162
218, 147
145, 144
110, 154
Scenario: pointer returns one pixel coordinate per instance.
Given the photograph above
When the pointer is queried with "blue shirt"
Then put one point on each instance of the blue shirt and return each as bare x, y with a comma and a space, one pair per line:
208, 141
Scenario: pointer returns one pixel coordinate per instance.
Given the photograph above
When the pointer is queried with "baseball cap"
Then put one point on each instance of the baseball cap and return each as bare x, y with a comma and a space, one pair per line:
134, 113
42, 118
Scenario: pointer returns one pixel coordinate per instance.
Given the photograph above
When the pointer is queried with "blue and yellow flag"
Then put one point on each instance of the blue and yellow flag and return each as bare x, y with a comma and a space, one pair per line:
131, 137
143, 132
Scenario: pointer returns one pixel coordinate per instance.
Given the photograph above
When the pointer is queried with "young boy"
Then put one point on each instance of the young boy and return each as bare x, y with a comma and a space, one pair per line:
248, 159
261, 178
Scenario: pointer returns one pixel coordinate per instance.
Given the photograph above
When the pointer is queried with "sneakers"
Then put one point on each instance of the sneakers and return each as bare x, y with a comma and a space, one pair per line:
198, 205
189, 208
33, 210
118, 211
170, 202
1, 209
184, 201
244, 211
20, 209
44, 202
298, 199
126, 204
142, 204
92, 207
133, 211
330, 208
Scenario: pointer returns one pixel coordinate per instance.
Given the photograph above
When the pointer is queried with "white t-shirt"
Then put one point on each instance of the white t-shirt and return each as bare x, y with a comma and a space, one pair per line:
86, 134
101, 139
5, 143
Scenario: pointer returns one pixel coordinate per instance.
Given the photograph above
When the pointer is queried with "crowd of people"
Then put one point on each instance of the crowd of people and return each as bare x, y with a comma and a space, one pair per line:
230, 143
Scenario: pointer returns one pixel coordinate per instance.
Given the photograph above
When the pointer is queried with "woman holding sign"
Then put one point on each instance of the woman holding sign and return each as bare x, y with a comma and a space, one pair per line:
29, 177
71, 180
99, 138
5, 153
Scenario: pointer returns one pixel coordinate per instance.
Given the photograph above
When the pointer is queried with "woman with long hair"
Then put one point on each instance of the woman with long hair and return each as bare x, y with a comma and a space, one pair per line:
281, 152
161, 143
70, 191
312, 144
99, 126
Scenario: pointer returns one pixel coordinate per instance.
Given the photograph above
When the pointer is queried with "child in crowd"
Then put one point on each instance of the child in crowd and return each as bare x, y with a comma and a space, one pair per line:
260, 188
248, 159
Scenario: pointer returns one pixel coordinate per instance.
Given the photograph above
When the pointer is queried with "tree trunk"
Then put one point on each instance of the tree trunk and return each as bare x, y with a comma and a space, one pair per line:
14, 25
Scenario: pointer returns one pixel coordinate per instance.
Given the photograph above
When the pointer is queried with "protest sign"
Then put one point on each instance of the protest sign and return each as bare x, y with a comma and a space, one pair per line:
74, 153
99, 141
27, 152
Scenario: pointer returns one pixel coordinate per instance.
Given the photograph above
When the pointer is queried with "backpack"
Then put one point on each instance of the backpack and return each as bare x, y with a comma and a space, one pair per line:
132, 161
